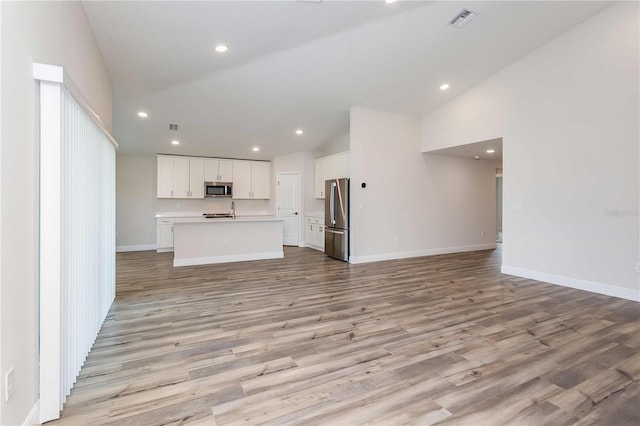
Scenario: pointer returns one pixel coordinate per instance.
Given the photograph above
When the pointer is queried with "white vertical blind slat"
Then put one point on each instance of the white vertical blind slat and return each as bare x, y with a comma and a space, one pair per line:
88, 246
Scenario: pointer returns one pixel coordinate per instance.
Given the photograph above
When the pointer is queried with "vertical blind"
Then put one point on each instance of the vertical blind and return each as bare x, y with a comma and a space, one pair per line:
87, 237
77, 234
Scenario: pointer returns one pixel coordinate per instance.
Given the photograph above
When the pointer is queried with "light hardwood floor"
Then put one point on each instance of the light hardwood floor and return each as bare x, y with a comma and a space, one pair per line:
308, 340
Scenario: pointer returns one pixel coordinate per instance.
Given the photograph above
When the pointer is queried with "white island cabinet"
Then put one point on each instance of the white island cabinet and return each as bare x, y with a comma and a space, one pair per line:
206, 241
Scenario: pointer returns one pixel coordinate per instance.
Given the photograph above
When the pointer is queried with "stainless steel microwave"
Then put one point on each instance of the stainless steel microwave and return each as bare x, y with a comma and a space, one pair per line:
218, 189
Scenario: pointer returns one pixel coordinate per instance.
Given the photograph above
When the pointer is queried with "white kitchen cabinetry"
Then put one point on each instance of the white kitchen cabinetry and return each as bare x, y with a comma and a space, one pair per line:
320, 177
251, 179
330, 167
165, 177
180, 177
164, 235
218, 170
314, 232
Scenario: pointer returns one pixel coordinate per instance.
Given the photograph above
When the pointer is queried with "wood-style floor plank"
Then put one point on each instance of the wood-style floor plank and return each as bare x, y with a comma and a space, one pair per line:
308, 340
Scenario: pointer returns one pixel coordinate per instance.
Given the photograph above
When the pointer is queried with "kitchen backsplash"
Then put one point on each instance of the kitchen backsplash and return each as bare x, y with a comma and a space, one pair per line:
215, 205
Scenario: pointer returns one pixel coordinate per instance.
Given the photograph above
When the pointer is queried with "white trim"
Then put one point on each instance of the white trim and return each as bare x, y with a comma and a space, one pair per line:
56, 74
33, 416
50, 260
420, 253
140, 247
165, 250
229, 258
46, 72
592, 286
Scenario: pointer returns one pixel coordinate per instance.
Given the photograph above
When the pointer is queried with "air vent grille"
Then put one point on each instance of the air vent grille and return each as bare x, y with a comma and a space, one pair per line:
462, 18
173, 126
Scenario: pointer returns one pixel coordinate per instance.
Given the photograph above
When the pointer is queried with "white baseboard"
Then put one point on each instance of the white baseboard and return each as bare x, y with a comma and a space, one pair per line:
143, 247
229, 258
33, 418
419, 253
592, 286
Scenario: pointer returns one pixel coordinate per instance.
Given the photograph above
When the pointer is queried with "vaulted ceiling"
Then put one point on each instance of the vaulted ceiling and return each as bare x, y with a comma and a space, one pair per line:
299, 64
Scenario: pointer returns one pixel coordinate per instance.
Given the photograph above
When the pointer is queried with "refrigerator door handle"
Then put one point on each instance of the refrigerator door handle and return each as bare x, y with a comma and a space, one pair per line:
332, 206
333, 232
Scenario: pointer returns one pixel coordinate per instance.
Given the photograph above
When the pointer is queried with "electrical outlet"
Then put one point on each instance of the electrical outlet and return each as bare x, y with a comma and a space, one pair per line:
8, 385
483, 233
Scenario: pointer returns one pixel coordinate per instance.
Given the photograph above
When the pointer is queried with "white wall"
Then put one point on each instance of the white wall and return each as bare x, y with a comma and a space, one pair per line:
47, 32
569, 117
137, 202
414, 204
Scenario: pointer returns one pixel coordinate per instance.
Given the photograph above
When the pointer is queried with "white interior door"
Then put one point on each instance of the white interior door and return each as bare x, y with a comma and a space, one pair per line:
288, 206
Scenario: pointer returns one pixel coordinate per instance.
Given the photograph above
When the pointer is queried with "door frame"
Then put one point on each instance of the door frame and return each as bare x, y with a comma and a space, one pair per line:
300, 213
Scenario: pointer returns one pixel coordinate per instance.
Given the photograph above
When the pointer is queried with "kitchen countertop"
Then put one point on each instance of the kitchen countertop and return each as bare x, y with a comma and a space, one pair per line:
315, 214
228, 219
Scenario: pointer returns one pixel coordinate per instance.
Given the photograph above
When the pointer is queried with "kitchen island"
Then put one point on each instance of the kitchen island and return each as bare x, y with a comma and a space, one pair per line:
207, 241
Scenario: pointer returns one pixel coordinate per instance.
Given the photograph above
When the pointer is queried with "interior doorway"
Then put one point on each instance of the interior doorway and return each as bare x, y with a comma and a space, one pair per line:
288, 206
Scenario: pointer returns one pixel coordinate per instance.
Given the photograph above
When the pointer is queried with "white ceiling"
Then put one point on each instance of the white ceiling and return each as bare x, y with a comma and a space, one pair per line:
299, 64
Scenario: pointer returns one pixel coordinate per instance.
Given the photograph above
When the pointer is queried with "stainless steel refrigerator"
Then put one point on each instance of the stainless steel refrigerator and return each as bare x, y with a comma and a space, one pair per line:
336, 218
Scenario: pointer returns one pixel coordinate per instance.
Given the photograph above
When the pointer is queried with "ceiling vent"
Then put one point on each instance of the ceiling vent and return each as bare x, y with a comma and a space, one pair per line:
173, 126
462, 18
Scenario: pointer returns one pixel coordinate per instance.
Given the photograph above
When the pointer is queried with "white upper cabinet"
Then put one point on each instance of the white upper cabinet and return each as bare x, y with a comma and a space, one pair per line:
184, 177
320, 173
260, 180
330, 167
180, 177
241, 179
165, 177
218, 170
251, 179
196, 178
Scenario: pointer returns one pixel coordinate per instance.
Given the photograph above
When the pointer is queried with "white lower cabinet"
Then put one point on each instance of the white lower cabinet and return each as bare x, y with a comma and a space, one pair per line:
314, 232
164, 235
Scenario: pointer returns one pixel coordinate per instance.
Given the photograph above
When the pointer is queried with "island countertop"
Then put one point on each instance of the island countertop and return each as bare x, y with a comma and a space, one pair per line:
180, 220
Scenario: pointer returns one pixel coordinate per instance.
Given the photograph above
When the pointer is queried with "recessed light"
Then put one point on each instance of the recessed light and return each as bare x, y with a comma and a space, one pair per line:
444, 86
256, 149
175, 142
477, 157
390, 1
491, 151
299, 132
143, 114
221, 48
